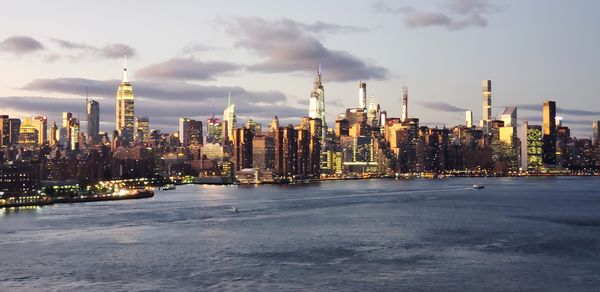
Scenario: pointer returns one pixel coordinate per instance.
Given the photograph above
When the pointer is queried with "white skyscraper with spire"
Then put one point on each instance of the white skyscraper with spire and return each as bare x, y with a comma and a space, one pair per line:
125, 109
316, 105
230, 118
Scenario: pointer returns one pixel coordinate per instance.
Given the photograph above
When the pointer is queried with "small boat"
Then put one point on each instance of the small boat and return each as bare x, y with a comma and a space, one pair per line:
233, 209
168, 187
478, 186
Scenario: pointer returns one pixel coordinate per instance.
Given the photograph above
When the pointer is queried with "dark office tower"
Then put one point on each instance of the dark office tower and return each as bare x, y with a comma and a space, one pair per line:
303, 136
277, 135
549, 135
4, 131
93, 121
242, 148
342, 127
314, 163
15, 129
290, 152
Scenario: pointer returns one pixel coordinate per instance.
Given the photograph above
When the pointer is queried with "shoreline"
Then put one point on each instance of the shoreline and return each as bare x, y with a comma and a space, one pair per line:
95, 198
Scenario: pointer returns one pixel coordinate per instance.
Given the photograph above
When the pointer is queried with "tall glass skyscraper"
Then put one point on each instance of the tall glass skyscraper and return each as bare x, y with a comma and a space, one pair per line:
125, 109
316, 107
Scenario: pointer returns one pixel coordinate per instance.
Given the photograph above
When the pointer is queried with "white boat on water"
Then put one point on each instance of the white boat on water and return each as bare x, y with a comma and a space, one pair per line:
168, 187
478, 186
233, 209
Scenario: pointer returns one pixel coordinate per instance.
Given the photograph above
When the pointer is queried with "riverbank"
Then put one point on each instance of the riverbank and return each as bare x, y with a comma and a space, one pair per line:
129, 195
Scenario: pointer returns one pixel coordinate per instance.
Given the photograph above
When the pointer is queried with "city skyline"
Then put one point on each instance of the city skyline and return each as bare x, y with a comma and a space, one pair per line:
54, 70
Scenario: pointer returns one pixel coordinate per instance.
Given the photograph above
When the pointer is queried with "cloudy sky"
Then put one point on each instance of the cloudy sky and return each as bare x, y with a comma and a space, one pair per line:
181, 54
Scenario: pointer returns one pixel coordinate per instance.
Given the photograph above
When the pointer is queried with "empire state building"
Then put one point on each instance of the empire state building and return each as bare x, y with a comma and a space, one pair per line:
125, 109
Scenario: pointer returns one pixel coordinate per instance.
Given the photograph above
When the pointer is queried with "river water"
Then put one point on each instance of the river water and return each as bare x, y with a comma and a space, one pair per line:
533, 234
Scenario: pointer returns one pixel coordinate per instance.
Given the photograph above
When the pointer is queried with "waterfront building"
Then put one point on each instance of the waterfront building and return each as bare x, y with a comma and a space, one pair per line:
242, 148
125, 109
263, 152
549, 137
93, 121
289, 152
531, 147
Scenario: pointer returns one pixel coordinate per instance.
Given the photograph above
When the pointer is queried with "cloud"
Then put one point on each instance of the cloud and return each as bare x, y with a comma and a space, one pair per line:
196, 48
330, 28
287, 46
20, 45
187, 69
110, 51
453, 14
115, 51
160, 100
440, 106
559, 110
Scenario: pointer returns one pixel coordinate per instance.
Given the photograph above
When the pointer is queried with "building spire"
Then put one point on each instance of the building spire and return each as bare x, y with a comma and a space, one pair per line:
229, 99
212, 110
125, 78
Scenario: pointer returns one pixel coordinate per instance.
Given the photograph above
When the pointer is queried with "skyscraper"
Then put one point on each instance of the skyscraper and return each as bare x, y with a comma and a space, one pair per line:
190, 132
404, 103
214, 132
28, 134
549, 134
373, 113
487, 105
40, 123
230, 118
596, 132
15, 130
93, 121
4, 131
316, 107
143, 124
53, 134
469, 118
362, 95
125, 109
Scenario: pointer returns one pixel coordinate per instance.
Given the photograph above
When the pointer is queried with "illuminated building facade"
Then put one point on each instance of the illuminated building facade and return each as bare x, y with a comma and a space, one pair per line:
487, 105
549, 138
125, 110
230, 118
